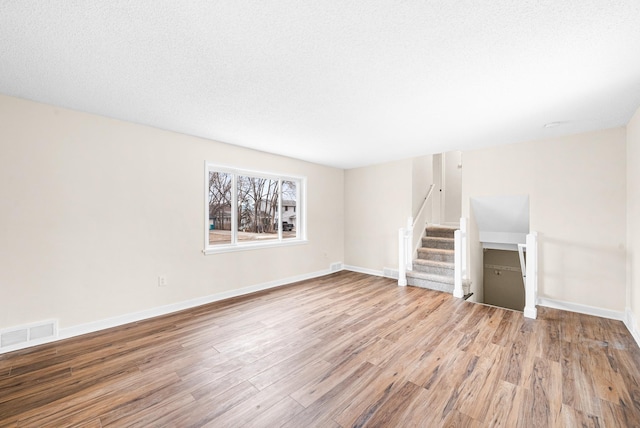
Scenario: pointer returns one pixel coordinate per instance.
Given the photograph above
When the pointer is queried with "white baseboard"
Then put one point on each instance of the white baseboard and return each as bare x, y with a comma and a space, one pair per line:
363, 270
581, 309
95, 326
630, 322
531, 313
627, 317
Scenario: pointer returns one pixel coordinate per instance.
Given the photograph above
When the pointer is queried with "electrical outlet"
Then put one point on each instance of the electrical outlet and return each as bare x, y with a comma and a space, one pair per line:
162, 281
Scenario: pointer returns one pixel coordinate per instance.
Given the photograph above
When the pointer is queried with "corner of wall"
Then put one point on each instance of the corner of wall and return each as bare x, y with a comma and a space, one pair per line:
630, 322
633, 225
476, 261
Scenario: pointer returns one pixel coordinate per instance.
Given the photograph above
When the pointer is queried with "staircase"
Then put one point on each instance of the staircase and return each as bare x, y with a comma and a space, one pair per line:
434, 267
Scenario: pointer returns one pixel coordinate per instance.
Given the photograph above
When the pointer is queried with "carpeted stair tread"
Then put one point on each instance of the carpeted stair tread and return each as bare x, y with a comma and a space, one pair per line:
430, 281
434, 263
431, 277
437, 242
437, 238
434, 268
435, 250
440, 231
443, 228
436, 254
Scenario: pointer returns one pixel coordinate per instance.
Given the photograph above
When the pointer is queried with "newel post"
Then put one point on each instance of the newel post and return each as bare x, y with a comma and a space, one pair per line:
457, 256
408, 237
402, 264
531, 280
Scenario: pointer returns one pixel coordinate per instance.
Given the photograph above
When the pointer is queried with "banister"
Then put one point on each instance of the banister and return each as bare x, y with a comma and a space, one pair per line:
408, 242
531, 276
529, 268
402, 266
424, 204
461, 258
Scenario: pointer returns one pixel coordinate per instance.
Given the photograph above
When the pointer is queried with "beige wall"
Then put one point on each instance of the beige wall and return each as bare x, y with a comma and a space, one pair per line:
94, 209
422, 173
378, 201
452, 187
577, 190
633, 216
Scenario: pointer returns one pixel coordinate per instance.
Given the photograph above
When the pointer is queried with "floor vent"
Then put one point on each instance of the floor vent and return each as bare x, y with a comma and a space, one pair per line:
390, 273
335, 267
28, 335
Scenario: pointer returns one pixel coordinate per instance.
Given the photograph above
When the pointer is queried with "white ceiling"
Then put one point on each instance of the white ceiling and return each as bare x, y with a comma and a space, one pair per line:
341, 83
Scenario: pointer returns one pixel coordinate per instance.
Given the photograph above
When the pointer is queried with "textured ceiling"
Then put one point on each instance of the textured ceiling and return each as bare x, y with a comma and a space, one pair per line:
342, 83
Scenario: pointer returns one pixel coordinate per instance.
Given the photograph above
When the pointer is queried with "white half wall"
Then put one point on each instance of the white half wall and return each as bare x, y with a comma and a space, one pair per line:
502, 219
633, 222
93, 210
577, 193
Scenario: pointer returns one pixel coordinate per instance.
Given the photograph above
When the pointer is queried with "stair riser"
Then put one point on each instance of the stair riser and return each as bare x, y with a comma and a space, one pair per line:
436, 270
436, 243
425, 283
437, 233
436, 257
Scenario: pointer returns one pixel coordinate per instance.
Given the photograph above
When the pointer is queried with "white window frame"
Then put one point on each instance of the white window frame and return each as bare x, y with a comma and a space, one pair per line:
301, 214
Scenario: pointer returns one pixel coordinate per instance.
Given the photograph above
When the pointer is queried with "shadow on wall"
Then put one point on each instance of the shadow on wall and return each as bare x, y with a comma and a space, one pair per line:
563, 273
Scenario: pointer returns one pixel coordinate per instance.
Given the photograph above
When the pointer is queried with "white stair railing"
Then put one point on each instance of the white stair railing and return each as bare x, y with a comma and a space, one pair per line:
529, 268
404, 252
410, 237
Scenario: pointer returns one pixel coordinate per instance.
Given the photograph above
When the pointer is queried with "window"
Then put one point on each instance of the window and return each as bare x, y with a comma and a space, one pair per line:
248, 209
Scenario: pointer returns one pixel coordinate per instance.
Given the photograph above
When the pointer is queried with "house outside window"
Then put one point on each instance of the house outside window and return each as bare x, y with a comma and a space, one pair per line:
243, 209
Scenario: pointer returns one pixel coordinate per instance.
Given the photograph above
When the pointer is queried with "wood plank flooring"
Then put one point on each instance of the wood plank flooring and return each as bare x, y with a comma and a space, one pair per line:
345, 350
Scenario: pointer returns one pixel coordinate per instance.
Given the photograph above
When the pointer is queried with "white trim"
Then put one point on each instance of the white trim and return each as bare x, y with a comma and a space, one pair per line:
206, 205
403, 237
458, 274
280, 215
496, 246
246, 246
530, 275
531, 313
581, 309
95, 326
254, 172
301, 227
234, 210
630, 322
364, 270
443, 185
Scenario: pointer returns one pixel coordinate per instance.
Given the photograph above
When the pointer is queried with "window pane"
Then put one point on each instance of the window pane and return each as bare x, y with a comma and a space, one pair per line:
257, 209
289, 202
219, 208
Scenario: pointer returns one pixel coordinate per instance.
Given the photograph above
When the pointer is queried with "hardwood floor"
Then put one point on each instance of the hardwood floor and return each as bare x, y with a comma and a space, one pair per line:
340, 351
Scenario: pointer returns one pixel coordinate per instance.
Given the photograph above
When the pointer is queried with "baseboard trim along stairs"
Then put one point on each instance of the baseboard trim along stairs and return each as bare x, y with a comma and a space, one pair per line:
434, 267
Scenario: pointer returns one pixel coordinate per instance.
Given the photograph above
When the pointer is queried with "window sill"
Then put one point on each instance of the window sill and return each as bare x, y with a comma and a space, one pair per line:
253, 246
